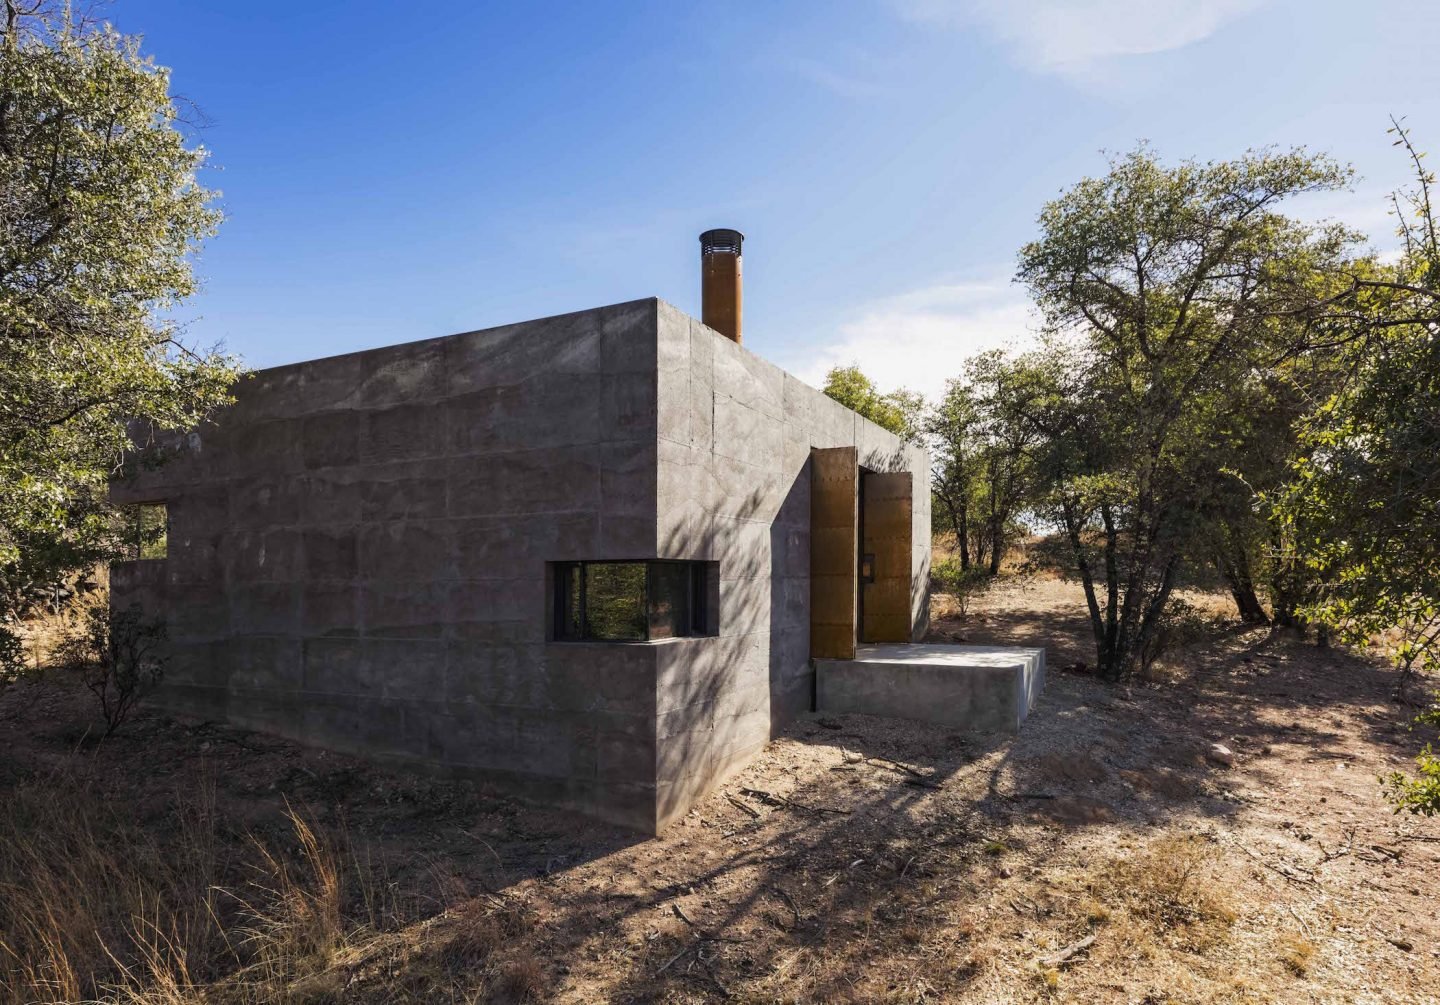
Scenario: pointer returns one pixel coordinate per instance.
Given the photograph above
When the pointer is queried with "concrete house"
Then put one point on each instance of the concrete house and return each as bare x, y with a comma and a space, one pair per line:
589, 558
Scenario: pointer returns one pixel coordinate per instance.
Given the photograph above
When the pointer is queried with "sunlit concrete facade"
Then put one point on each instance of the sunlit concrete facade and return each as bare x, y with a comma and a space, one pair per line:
361, 551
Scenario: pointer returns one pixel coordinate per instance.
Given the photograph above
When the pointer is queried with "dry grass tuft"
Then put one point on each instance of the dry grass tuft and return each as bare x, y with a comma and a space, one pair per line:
1296, 952
90, 900
476, 937
96, 907
1172, 886
293, 922
521, 980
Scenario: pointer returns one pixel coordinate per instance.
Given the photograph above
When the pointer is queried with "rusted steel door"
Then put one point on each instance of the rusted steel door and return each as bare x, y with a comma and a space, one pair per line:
834, 516
886, 553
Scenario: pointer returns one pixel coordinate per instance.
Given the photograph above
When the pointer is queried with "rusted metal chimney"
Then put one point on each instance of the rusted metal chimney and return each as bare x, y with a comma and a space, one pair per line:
720, 281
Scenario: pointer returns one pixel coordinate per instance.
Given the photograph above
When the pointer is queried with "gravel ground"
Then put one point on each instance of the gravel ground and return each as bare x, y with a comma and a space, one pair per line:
1099, 856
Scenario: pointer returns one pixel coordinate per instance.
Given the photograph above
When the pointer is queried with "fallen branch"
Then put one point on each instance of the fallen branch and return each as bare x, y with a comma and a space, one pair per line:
754, 813
672, 960
786, 801
698, 939
1296, 915
920, 778
1064, 956
1289, 872
789, 902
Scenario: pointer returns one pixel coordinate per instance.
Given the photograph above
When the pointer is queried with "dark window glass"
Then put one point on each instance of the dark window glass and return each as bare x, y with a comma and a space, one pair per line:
146, 530
669, 599
629, 601
615, 601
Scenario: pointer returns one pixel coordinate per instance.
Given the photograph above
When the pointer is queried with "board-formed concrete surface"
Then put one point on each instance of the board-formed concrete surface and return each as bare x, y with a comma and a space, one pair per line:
983, 688
733, 481
358, 553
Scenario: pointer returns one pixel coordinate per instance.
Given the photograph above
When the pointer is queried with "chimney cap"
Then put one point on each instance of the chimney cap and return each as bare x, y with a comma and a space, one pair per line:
722, 239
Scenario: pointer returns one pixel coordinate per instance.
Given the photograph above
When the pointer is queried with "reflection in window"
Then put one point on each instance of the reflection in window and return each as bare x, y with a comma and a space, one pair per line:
145, 531
629, 601
614, 601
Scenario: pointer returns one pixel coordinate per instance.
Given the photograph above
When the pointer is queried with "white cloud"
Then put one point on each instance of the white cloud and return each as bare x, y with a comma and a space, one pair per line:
921, 338
1072, 36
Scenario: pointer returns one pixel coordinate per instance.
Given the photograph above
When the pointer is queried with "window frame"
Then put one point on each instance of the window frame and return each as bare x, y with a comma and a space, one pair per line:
135, 531
565, 576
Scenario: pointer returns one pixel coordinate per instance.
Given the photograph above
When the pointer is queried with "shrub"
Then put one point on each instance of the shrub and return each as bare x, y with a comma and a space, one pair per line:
120, 656
12, 657
1420, 794
1180, 624
962, 584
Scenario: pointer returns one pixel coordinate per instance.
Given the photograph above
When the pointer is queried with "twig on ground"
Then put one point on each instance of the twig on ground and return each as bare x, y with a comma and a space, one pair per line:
919, 777
674, 959
789, 902
786, 801
1288, 871
1065, 955
754, 813
1327, 855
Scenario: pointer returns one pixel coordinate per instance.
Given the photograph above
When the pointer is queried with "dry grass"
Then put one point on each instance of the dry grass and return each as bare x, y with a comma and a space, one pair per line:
94, 906
1173, 886
1296, 952
301, 876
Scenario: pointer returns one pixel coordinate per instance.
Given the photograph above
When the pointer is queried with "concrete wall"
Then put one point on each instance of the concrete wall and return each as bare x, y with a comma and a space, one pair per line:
358, 548
357, 555
735, 435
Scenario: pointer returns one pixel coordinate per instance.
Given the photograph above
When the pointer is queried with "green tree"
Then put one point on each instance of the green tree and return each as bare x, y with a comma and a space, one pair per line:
953, 428
102, 211
1366, 494
981, 472
1363, 510
1164, 289
899, 411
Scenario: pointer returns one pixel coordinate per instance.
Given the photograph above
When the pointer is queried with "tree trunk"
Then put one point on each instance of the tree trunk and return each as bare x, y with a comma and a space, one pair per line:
997, 544
1087, 580
1235, 568
962, 536
1111, 665
1154, 611
959, 524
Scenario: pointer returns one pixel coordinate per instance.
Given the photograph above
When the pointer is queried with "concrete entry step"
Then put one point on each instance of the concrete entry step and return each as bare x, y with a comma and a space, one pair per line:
983, 688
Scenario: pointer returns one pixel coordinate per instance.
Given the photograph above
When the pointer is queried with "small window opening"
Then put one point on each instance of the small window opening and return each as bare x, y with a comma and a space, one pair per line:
630, 601
145, 531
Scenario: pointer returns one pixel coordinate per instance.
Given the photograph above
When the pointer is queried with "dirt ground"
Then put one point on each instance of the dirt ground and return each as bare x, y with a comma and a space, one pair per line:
1097, 857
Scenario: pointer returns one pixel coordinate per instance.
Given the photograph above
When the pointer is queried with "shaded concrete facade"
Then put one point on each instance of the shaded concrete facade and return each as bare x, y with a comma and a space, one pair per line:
360, 552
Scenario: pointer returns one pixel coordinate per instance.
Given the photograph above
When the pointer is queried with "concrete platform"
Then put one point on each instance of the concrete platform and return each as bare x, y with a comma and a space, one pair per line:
984, 688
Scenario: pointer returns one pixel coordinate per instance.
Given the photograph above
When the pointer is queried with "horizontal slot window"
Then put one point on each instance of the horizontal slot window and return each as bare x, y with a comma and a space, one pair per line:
631, 601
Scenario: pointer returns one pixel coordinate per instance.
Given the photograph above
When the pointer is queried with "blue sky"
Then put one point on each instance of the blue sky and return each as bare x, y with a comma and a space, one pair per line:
393, 172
